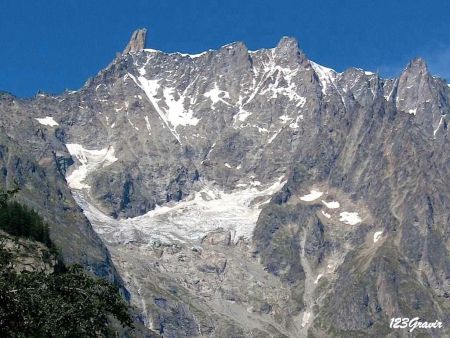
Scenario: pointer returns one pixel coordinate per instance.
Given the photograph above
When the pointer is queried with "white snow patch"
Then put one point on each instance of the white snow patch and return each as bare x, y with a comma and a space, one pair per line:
47, 121
242, 115
192, 56
90, 160
174, 115
261, 130
131, 123
412, 111
325, 214
388, 97
227, 165
274, 136
350, 218
294, 125
216, 95
331, 205
319, 276
285, 118
439, 125
377, 236
277, 89
315, 194
305, 319
191, 219
327, 76
147, 123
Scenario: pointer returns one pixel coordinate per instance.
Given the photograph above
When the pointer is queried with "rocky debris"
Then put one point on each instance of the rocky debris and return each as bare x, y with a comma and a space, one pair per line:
225, 288
27, 255
213, 264
137, 41
219, 237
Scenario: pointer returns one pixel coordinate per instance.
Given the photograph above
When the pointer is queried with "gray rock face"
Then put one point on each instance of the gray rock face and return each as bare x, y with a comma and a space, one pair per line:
34, 156
250, 193
137, 41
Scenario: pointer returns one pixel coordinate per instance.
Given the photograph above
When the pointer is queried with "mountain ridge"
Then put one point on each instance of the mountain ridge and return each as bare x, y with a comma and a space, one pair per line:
338, 180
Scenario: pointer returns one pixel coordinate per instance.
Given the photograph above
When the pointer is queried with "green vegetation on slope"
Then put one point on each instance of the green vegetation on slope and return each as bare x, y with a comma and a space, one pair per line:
63, 303
18, 220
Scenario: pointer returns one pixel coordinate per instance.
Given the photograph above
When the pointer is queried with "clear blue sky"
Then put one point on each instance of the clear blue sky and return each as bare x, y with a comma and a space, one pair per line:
54, 45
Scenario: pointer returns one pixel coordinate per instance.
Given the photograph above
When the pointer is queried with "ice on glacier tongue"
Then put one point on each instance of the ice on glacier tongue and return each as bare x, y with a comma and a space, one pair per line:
206, 210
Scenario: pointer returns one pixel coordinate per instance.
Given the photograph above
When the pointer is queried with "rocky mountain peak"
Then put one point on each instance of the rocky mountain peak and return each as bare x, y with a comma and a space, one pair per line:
288, 43
416, 68
289, 50
137, 41
235, 48
418, 64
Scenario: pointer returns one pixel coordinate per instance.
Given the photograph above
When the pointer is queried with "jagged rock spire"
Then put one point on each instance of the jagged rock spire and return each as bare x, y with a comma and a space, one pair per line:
288, 49
137, 41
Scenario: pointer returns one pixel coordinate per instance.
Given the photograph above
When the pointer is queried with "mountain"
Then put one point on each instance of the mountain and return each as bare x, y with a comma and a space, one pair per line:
247, 193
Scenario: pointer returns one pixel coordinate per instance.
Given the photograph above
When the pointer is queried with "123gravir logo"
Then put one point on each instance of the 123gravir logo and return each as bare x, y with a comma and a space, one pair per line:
413, 323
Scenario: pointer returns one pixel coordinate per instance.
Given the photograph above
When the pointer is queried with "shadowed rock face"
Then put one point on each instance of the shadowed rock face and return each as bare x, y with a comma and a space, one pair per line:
248, 193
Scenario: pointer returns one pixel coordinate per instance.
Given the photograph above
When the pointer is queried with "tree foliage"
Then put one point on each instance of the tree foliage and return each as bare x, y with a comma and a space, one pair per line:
70, 304
65, 303
18, 220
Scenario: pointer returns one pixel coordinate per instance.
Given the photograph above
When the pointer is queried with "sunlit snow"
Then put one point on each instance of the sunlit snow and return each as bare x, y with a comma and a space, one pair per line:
319, 276
204, 211
90, 160
216, 95
350, 218
175, 114
327, 76
377, 236
47, 121
331, 205
325, 214
311, 196
305, 319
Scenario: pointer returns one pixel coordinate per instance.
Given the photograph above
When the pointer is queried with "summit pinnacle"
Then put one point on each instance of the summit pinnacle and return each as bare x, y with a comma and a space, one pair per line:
137, 41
